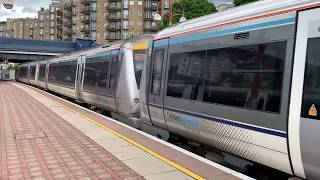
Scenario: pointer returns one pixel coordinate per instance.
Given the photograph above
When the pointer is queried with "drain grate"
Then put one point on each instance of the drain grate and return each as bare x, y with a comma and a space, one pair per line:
28, 135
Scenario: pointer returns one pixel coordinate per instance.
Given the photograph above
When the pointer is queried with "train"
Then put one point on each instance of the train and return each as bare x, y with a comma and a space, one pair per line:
243, 82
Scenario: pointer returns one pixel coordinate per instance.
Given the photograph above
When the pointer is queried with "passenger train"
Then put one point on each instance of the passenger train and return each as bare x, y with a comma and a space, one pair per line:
244, 81
107, 77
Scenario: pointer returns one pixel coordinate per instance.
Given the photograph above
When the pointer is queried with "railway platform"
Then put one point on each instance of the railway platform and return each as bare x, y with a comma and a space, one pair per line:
45, 137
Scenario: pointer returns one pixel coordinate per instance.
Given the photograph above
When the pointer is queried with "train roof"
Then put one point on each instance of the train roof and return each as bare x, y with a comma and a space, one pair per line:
106, 47
253, 10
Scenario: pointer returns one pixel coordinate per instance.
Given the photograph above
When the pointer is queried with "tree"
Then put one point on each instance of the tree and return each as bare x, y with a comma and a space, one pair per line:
242, 2
11, 67
190, 9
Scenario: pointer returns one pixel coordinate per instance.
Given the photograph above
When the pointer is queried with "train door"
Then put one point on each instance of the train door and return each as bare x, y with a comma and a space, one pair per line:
112, 77
79, 76
37, 73
156, 90
46, 76
28, 74
304, 113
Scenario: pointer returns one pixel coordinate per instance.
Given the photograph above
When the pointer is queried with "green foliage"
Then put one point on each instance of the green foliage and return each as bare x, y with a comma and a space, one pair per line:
11, 67
242, 2
190, 9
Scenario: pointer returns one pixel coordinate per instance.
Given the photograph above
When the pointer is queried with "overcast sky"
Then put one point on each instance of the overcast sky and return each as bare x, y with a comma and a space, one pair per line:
29, 8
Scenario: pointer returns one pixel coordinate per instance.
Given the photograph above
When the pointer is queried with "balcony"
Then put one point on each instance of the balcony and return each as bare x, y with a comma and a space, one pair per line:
150, 18
67, 23
86, 2
151, 7
113, 18
114, 8
85, 20
68, 7
86, 10
67, 14
59, 22
113, 28
113, 38
85, 29
67, 32
59, 13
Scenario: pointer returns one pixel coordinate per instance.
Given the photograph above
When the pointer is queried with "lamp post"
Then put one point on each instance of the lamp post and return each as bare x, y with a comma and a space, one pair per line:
158, 17
8, 4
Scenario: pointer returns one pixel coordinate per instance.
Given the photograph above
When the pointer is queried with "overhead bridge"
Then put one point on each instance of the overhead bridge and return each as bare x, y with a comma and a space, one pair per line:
22, 50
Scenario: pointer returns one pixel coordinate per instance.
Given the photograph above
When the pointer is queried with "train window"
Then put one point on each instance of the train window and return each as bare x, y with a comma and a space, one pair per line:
113, 71
246, 76
63, 73
311, 93
42, 72
95, 76
138, 60
156, 71
185, 74
23, 72
32, 72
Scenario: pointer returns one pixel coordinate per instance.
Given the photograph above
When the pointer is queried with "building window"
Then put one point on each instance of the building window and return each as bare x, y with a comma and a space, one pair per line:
140, 3
131, 3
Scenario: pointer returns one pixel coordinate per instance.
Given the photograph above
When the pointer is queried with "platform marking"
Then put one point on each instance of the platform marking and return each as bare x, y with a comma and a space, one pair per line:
188, 153
151, 152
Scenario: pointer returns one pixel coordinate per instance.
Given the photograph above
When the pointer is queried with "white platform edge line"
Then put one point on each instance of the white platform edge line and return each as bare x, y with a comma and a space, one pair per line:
204, 160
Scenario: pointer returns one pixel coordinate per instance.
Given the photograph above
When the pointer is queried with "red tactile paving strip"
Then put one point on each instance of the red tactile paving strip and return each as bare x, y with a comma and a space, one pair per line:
35, 143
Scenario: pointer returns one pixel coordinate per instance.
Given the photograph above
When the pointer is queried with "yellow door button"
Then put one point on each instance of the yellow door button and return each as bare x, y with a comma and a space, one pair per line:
313, 111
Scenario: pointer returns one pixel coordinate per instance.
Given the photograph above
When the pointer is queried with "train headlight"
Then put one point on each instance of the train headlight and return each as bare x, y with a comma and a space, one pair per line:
136, 100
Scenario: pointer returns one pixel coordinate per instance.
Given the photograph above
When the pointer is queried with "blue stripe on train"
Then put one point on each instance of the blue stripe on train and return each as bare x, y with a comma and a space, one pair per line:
226, 121
205, 35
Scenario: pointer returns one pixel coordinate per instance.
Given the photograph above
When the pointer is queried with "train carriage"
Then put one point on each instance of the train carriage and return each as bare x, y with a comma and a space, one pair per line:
234, 81
107, 77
